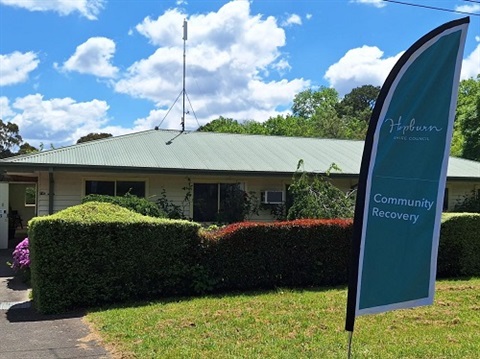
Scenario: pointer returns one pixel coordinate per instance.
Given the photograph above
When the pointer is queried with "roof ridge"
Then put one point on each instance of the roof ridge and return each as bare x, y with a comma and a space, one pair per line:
272, 136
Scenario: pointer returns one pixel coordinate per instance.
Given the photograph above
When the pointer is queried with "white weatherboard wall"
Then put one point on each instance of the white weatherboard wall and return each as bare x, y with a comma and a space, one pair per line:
69, 187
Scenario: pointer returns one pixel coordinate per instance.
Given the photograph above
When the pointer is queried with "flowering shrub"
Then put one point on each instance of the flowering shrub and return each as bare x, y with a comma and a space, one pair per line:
21, 256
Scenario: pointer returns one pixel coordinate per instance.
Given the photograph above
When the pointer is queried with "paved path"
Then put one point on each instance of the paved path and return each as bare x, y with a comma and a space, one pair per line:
26, 334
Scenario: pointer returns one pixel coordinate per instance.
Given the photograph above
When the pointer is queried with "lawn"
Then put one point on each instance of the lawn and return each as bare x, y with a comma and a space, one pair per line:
293, 324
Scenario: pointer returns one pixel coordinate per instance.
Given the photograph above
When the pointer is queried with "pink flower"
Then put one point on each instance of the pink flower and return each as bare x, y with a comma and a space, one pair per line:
21, 256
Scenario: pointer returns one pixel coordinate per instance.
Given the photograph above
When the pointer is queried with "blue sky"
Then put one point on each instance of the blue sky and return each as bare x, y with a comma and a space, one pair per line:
71, 67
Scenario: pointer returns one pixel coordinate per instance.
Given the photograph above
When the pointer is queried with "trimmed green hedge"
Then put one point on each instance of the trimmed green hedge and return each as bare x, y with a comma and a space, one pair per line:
264, 255
97, 253
459, 247
131, 202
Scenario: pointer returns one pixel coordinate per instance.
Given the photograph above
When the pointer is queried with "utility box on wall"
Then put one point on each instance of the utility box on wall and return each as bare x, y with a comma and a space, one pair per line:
272, 197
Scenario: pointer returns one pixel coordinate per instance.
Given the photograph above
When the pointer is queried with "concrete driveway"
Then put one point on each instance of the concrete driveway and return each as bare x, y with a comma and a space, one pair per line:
25, 334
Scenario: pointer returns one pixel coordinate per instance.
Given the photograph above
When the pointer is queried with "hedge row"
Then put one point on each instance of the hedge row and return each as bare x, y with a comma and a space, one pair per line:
459, 247
264, 255
99, 253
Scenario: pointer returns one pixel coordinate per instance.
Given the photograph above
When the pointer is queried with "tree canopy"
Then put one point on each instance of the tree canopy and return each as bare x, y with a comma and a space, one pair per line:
322, 113
9, 138
315, 113
466, 139
93, 136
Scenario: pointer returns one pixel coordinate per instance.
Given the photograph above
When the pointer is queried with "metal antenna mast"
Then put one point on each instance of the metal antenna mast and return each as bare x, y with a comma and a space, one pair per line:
184, 91
184, 71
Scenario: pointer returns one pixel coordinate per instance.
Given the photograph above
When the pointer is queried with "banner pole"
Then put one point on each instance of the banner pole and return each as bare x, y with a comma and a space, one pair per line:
350, 337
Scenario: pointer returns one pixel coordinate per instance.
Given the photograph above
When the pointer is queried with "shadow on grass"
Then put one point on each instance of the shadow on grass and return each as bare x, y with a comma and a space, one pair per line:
218, 295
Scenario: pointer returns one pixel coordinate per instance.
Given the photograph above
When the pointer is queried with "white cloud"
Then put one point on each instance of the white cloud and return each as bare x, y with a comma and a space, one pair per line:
60, 121
471, 65
282, 66
293, 19
16, 67
255, 102
228, 54
93, 57
166, 30
5, 110
470, 8
358, 67
376, 3
308, 16
87, 8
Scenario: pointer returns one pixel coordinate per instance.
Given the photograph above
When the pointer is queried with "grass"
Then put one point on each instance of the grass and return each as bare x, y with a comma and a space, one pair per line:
293, 324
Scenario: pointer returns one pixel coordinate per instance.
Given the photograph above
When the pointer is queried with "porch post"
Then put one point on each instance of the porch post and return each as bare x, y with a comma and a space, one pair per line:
51, 188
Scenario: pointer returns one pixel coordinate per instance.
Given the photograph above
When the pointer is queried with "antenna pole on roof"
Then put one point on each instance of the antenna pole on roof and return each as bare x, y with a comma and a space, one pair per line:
184, 71
184, 91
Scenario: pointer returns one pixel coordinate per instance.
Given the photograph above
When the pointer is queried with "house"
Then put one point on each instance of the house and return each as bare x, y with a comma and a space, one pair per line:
202, 163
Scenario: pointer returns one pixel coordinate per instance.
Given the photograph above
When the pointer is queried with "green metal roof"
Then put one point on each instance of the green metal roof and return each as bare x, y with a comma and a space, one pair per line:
173, 151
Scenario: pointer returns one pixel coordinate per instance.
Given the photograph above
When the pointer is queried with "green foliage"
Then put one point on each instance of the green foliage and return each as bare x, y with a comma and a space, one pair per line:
315, 113
469, 117
284, 323
173, 210
314, 196
266, 255
359, 103
26, 148
466, 135
222, 124
288, 126
470, 203
459, 247
236, 204
130, 201
98, 253
308, 103
93, 136
9, 138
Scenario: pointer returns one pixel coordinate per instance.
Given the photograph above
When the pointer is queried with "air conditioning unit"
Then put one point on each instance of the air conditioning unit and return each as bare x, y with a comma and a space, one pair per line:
272, 197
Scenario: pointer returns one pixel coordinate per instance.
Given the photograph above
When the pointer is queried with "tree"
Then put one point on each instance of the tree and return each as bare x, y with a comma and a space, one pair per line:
26, 149
314, 196
288, 126
9, 138
355, 110
224, 125
359, 102
93, 136
467, 122
308, 103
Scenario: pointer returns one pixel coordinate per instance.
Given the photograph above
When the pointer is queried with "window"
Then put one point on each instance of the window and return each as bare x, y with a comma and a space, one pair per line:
115, 188
445, 200
217, 201
30, 196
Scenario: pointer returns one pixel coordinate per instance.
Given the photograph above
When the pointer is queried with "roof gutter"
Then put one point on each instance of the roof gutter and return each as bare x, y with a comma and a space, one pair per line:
31, 168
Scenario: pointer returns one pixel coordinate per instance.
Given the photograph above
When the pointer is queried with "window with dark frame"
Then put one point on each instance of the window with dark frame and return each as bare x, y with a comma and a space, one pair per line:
445, 200
115, 188
209, 199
